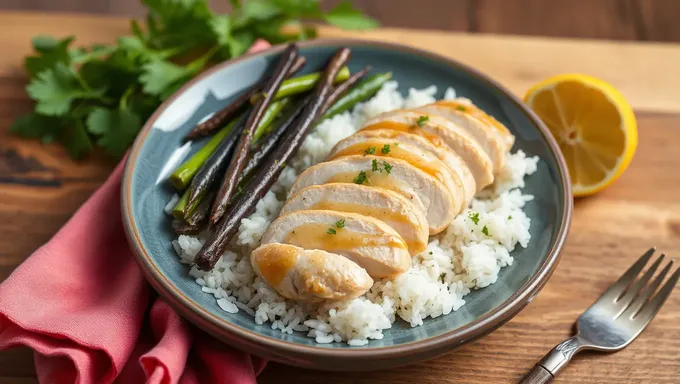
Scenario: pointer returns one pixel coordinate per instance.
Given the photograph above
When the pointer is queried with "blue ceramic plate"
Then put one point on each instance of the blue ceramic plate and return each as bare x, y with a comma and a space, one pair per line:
159, 149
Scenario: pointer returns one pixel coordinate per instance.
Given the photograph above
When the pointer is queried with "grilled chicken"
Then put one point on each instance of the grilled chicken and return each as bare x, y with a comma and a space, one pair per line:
448, 167
390, 207
487, 136
369, 242
440, 131
422, 189
309, 275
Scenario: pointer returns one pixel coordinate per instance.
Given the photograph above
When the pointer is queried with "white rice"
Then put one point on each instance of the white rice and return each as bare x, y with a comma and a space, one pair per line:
468, 255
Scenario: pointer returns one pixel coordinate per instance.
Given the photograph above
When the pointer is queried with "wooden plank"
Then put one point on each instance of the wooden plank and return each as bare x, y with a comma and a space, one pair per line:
601, 19
647, 74
660, 19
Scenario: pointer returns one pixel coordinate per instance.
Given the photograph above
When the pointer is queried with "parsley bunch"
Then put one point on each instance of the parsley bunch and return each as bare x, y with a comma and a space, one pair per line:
100, 96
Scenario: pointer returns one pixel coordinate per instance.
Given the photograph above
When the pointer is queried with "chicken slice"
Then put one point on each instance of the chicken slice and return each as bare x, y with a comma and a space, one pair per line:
369, 242
385, 205
412, 151
465, 105
424, 191
439, 131
485, 134
309, 275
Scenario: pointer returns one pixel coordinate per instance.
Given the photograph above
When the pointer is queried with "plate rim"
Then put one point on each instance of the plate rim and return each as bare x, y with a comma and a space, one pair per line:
477, 328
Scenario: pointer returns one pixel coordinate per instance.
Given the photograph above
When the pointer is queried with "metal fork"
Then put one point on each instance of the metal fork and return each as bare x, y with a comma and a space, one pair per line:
614, 320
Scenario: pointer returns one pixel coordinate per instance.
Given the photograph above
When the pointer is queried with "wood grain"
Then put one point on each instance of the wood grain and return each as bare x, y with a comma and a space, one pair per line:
603, 19
40, 188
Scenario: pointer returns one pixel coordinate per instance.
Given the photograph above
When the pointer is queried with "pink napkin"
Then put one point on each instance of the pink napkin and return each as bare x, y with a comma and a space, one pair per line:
81, 302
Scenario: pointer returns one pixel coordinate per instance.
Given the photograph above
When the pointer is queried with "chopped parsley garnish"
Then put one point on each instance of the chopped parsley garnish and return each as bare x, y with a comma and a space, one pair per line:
422, 120
461, 108
385, 149
388, 167
396, 144
474, 216
331, 231
340, 223
485, 230
361, 178
431, 252
510, 217
370, 151
375, 167
442, 276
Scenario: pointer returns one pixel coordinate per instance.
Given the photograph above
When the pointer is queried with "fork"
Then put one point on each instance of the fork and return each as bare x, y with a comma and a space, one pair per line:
614, 320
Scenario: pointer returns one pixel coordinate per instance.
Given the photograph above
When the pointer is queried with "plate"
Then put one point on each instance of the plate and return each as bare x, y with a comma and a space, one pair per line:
159, 149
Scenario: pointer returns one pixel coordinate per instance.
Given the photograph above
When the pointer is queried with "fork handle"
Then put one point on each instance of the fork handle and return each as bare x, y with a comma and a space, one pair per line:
553, 362
538, 375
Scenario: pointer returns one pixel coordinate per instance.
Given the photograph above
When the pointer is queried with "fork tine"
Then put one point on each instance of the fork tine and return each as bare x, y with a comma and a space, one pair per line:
650, 309
642, 298
617, 289
633, 291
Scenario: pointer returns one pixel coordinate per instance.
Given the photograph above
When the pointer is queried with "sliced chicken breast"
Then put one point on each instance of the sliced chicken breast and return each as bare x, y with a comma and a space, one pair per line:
425, 191
439, 131
421, 159
369, 242
395, 143
486, 135
387, 206
309, 275
465, 105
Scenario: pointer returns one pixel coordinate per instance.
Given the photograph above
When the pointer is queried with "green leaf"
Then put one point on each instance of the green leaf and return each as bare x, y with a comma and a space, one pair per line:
221, 27
299, 8
46, 44
34, 126
55, 89
75, 139
260, 10
115, 129
49, 52
158, 76
345, 16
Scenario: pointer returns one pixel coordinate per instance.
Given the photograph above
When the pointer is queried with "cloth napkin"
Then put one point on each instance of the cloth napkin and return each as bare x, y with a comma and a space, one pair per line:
82, 304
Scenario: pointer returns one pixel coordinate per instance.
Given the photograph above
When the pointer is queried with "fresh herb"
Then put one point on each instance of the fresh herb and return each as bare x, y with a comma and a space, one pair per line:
100, 95
461, 108
385, 149
361, 178
422, 120
442, 276
485, 230
374, 166
331, 231
431, 252
370, 151
388, 167
340, 223
396, 144
474, 216
510, 217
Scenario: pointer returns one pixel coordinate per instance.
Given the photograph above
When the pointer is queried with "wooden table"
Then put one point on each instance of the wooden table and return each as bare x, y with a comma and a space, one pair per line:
40, 188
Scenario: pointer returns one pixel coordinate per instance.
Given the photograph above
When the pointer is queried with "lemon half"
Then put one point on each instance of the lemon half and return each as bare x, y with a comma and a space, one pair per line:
593, 124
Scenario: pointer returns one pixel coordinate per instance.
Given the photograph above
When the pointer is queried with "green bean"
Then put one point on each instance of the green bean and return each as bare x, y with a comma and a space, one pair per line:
363, 91
182, 176
269, 116
302, 84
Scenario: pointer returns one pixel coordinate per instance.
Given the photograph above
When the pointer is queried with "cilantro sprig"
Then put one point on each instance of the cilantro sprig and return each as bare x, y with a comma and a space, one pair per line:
101, 95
